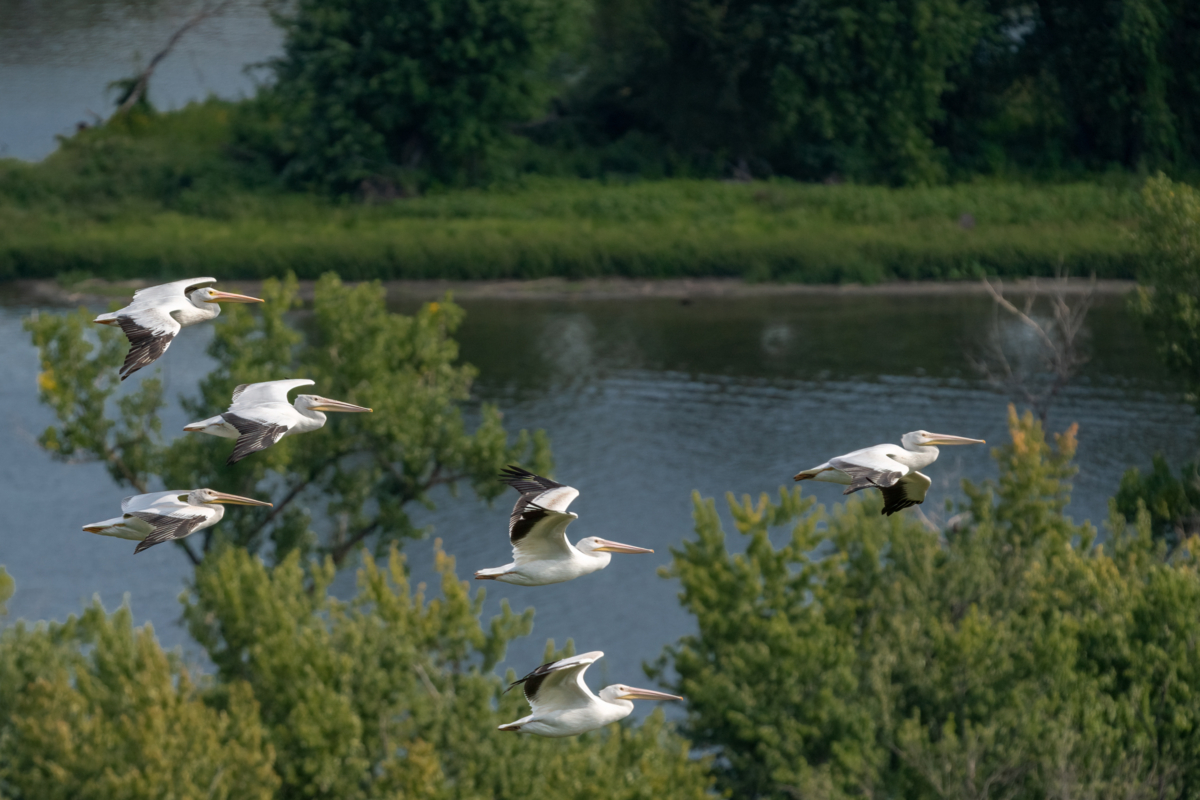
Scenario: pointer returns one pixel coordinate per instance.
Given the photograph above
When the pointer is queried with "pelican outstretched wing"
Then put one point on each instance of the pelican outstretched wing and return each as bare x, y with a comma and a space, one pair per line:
869, 468
535, 489
150, 331
165, 527
559, 684
908, 491
253, 394
139, 502
254, 434
538, 524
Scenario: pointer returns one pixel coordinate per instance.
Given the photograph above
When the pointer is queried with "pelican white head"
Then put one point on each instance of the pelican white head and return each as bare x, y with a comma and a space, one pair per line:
595, 546
620, 694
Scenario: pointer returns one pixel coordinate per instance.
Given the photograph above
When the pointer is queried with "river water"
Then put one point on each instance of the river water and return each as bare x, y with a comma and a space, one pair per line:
645, 401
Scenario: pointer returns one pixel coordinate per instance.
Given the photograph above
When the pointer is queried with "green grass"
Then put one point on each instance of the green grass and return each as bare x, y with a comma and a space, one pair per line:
180, 194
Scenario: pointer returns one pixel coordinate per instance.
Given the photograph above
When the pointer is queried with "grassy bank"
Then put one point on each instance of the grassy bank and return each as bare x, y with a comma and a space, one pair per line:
174, 195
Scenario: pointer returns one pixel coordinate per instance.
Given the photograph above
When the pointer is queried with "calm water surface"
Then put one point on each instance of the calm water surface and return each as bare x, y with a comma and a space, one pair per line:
645, 401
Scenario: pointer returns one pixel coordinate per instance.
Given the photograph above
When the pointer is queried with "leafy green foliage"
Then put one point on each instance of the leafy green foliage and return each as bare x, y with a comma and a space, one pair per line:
809, 90
392, 693
366, 469
1104, 84
7, 587
195, 160
389, 694
851, 655
93, 708
79, 374
373, 88
1171, 501
381, 98
1168, 297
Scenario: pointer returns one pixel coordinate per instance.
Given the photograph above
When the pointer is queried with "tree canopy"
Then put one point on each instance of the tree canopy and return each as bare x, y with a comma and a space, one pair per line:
389, 694
846, 655
372, 88
893, 91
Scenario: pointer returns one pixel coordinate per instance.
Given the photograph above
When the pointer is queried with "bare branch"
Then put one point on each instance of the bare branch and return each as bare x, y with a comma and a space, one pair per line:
1021, 315
142, 82
1060, 339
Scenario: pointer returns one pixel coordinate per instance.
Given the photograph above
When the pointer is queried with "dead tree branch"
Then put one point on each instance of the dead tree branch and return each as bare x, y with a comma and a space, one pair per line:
142, 82
1060, 344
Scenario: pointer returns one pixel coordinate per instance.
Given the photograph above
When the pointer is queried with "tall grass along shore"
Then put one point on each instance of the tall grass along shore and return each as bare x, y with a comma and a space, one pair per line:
169, 196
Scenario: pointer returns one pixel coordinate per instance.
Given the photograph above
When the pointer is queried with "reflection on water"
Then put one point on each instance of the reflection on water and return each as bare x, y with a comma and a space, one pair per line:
57, 58
645, 401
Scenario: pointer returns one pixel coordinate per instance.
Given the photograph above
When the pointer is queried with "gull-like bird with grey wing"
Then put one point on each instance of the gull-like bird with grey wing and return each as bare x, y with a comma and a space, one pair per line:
890, 469
260, 416
158, 313
151, 519
563, 705
538, 532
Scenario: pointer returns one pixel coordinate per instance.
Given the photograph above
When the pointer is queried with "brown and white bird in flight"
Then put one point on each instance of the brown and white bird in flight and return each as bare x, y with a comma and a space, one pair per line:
890, 469
158, 313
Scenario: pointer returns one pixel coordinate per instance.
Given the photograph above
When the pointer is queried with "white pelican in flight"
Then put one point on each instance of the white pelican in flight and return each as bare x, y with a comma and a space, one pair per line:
563, 705
151, 519
158, 313
260, 416
891, 469
538, 532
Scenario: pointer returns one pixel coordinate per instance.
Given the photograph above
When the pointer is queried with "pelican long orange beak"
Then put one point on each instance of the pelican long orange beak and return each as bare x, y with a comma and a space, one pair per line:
944, 439
230, 297
238, 500
338, 405
632, 693
616, 547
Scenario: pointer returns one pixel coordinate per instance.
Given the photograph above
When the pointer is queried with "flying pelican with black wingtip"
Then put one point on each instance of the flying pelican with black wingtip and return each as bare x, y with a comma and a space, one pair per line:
158, 313
260, 416
538, 532
563, 705
151, 519
890, 469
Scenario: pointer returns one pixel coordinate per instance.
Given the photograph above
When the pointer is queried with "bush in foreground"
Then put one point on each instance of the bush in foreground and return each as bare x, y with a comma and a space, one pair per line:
861, 656
389, 694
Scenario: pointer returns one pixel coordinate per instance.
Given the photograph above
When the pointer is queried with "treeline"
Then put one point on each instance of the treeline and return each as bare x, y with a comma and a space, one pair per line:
895, 91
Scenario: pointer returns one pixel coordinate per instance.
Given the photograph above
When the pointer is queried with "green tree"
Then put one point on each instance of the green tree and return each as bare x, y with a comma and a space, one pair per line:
367, 469
804, 89
1063, 84
1111, 71
1171, 501
390, 694
1168, 295
393, 694
375, 89
860, 656
94, 709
